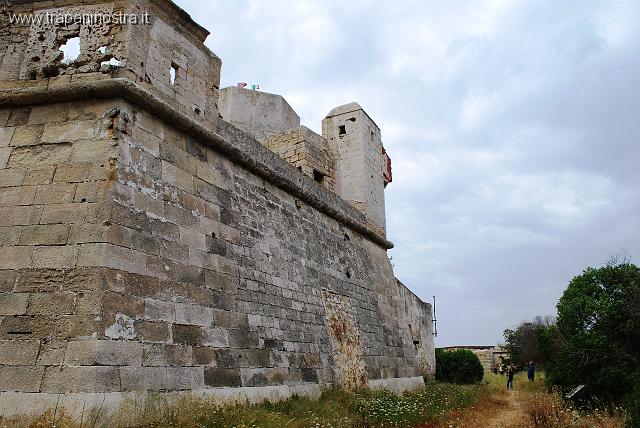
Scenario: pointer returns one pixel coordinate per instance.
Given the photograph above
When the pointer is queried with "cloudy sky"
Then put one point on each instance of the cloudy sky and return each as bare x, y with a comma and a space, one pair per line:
513, 127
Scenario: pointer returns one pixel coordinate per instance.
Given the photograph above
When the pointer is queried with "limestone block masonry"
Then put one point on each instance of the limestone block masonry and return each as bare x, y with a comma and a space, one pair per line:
149, 245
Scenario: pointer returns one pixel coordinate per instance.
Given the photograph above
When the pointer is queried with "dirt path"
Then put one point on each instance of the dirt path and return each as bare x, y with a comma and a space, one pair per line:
511, 415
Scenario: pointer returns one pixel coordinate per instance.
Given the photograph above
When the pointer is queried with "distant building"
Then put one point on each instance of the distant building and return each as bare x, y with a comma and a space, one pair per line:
490, 356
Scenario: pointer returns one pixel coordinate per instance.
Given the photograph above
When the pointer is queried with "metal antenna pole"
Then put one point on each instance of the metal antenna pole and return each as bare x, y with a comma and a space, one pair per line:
435, 320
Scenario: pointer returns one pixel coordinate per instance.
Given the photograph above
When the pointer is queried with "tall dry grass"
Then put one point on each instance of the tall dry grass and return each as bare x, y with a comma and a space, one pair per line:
551, 410
335, 409
542, 408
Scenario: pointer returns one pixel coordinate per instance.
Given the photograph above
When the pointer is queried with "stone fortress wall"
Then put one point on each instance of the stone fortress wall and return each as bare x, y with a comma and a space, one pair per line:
148, 244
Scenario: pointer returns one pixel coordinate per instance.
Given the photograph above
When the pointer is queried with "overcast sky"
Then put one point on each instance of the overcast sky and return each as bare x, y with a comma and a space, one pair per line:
513, 129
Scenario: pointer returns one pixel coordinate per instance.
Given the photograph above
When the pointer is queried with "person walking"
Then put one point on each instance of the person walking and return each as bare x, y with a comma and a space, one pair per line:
510, 377
531, 371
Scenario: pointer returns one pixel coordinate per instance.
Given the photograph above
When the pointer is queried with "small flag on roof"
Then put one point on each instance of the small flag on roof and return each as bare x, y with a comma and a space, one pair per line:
255, 87
241, 84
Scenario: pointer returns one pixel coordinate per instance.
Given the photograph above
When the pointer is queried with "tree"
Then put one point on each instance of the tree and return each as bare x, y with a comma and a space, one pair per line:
599, 318
459, 366
538, 340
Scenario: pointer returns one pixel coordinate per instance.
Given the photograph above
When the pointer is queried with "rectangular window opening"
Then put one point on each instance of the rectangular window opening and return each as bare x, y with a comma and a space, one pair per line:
173, 71
342, 130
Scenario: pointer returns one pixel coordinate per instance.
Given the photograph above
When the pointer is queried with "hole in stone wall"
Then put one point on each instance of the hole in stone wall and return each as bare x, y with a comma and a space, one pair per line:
71, 50
346, 237
348, 273
173, 71
102, 49
342, 130
112, 62
50, 71
318, 176
197, 111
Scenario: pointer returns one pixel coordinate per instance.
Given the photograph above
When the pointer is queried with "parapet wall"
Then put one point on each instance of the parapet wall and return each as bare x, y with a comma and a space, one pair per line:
307, 151
145, 249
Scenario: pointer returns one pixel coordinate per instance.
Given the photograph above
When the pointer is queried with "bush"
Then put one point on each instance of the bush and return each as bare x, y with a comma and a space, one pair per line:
461, 366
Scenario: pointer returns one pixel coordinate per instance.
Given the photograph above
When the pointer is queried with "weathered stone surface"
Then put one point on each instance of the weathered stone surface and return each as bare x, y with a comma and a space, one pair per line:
103, 353
161, 378
215, 377
64, 213
56, 193
193, 314
55, 257
11, 177
149, 331
43, 115
37, 156
55, 234
7, 280
18, 352
80, 379
157, 310
28, 135
17, 196
22, 379
5, 136
167, 355
69, 132
263, 377
52, 353
5, 152
50, 304
23, 215
13, 303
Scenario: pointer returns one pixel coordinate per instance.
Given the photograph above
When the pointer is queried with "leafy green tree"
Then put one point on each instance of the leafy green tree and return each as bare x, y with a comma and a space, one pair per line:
599, 318
538, 340
459, 366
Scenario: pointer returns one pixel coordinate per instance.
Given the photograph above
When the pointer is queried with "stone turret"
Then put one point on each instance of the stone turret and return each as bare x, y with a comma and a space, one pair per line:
361, 163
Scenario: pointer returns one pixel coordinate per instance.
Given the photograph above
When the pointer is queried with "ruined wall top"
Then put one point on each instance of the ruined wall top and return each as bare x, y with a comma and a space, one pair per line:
151, 42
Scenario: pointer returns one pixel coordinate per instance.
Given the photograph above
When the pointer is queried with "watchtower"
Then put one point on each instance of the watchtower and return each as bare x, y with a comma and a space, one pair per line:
362, 168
